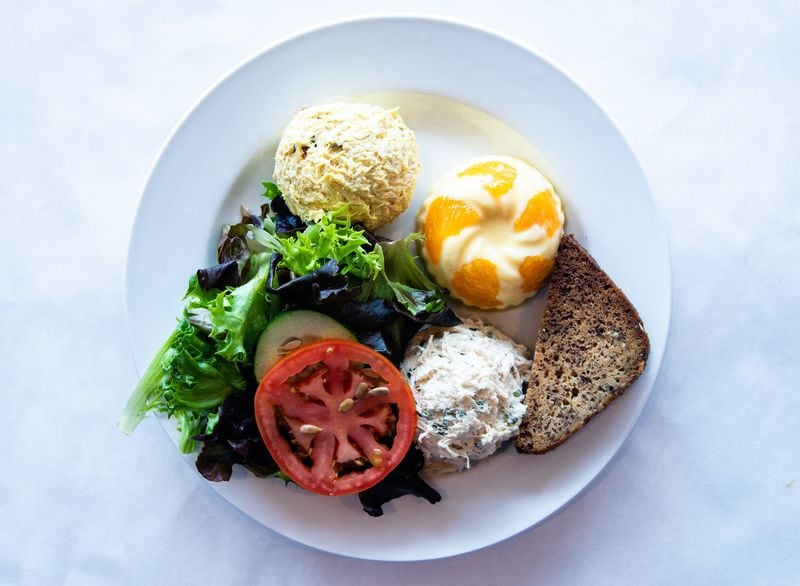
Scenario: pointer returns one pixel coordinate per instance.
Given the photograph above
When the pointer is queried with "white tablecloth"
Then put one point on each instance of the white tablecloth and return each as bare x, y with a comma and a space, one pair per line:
707, 488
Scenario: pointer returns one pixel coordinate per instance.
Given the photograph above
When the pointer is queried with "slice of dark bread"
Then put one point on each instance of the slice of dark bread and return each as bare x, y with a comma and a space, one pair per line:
591, 347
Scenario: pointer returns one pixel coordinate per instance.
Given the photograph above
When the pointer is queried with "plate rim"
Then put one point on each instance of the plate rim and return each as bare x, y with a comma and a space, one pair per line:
655, 362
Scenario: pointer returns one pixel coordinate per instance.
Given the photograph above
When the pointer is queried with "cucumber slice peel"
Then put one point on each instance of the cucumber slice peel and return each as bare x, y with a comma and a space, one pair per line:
291, 330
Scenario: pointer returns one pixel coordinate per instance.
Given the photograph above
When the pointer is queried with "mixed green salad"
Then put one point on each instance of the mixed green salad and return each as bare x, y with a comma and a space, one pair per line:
269, 263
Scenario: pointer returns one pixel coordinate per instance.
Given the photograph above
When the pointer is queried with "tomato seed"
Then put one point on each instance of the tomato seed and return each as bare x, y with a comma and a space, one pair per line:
345, 405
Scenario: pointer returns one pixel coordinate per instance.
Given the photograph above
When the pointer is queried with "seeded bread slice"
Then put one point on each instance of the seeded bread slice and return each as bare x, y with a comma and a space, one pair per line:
591, 347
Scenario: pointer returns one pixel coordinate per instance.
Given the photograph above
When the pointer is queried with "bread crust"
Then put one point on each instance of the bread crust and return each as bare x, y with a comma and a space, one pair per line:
591, 346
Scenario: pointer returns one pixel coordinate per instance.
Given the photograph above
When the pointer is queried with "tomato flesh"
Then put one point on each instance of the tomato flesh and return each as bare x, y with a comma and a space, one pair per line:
336, 416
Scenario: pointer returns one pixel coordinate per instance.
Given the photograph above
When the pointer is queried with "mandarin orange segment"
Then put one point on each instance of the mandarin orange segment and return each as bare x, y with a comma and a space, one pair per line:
446, 217
534, 270
477, 283
502, 176
540, 210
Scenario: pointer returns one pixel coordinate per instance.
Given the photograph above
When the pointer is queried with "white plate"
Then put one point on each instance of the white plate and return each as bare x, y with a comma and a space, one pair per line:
223, 149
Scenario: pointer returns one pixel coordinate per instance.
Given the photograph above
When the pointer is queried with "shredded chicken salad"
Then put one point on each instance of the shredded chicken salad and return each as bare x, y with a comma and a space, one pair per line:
468, 383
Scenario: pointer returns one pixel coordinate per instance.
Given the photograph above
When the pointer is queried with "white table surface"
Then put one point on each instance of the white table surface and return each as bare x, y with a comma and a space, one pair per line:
706, 489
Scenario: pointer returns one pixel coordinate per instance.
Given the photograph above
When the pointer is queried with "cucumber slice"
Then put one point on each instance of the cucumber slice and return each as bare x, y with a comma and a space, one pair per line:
291, 330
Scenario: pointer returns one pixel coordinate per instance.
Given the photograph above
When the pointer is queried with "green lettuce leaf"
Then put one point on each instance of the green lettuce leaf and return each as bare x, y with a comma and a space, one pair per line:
236, 315
402, 280
271, 190
239, 315
186, 380
196, 378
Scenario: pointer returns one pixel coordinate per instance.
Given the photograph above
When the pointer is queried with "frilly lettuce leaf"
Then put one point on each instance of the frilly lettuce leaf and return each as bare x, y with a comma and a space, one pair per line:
333, 238
187, 380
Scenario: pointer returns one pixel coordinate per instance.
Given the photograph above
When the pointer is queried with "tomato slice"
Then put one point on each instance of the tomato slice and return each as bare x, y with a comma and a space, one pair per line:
336, 416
